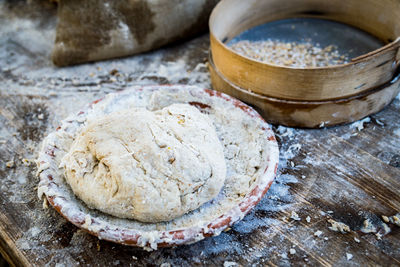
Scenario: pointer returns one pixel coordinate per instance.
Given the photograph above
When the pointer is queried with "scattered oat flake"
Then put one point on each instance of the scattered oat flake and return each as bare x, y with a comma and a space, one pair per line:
338, 226
308, 219
395, 219
299, 55
295, 216
378, 236
45, 203
349, 256
318, 233
292, 251
356, 239
385, 218
10, 164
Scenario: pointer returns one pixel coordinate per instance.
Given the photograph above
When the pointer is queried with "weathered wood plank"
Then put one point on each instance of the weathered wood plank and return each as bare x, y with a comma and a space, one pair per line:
349, 175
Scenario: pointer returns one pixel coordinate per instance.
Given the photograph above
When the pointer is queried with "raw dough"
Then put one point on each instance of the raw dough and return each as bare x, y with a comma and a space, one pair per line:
148, 166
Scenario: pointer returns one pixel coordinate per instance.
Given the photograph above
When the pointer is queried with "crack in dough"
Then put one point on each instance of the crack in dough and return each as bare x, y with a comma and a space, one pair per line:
151, 166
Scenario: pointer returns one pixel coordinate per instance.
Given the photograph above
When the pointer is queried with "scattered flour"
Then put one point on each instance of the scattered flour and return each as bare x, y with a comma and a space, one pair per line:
35, 231
359, 125
92, 81
295, 216
349, 256
318, 233
230, 264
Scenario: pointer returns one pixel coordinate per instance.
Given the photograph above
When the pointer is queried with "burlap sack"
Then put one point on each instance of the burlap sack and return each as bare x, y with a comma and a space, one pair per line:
90, 30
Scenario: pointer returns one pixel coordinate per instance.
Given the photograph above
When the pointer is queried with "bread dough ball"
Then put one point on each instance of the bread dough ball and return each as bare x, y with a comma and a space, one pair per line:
144, 165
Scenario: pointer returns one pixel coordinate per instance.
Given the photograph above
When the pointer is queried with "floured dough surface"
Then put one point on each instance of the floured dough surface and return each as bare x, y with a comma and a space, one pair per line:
151, 166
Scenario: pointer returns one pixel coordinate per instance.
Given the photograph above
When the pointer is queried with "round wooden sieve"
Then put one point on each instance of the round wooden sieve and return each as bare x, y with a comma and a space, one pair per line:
367, 71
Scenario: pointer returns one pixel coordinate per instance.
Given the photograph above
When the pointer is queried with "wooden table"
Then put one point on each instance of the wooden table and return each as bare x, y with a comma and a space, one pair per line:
349, 174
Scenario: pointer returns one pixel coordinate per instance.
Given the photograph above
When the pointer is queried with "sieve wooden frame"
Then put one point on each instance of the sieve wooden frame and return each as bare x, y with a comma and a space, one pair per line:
311, 114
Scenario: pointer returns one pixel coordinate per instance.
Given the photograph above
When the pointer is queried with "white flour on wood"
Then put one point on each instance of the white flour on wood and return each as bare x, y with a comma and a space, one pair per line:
28, 74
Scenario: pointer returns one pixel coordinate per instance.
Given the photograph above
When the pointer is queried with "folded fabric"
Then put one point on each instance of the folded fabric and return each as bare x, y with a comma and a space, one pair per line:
93, 30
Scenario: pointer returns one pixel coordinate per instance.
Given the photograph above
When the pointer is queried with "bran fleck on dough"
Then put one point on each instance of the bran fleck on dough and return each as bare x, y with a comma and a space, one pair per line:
146, 165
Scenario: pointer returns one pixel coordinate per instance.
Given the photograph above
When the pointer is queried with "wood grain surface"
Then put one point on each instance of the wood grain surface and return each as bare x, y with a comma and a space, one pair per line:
349, 174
